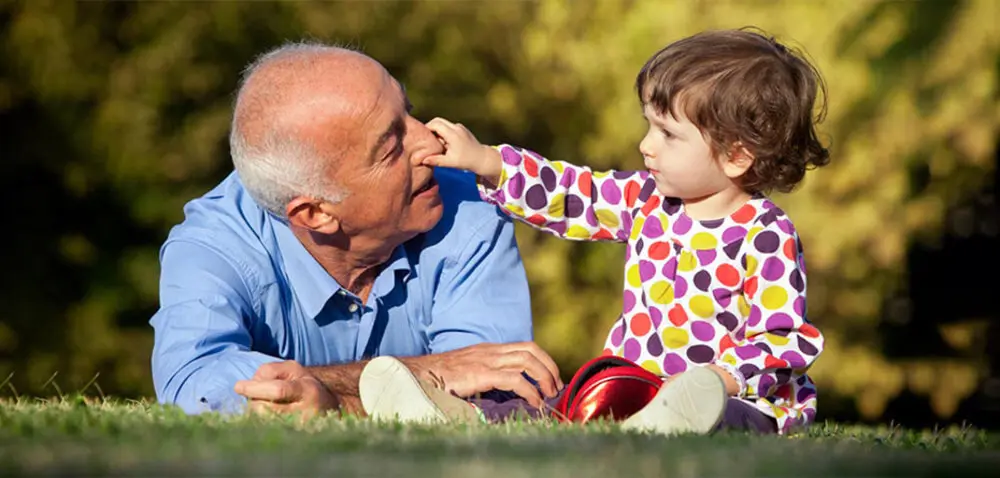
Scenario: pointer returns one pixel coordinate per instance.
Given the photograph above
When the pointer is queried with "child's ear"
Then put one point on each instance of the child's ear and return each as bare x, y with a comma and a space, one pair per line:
738, 161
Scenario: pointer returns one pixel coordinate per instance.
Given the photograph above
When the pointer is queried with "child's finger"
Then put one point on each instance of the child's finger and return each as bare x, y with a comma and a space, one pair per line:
444, 129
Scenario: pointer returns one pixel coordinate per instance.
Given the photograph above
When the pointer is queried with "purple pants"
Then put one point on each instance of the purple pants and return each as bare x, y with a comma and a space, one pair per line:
739, 415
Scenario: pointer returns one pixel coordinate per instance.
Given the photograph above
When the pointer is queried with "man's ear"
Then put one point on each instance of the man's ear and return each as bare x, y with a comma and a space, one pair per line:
313, 214
738, 161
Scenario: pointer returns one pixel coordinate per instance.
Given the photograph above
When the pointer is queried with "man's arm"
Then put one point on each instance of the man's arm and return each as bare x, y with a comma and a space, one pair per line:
202, 344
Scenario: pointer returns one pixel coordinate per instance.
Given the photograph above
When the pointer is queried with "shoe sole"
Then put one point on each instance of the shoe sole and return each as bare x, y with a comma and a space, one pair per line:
692, 403
390, 392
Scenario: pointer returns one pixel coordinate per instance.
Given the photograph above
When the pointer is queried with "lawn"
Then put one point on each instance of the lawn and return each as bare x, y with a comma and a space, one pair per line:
79, 436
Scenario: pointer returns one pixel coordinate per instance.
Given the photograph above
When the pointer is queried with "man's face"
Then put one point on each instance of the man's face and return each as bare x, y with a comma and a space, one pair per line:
391, 196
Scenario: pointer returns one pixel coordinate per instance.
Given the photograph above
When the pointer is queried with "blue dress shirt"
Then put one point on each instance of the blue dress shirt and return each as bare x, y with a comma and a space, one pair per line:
237, 290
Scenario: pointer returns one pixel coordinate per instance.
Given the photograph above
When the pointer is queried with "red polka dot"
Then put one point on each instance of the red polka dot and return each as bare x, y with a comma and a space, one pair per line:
784, 391
584, 183
771, 362
640, 324
725, 344
727, 275
789, 249
744, 214
530, 166
608, 352
677, 315
631, 193
809, 331
603, 234
750, 287
659, 251
537, 219
651, 204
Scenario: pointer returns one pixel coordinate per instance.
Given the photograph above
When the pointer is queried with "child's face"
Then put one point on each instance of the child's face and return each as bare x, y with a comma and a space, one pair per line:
680, 158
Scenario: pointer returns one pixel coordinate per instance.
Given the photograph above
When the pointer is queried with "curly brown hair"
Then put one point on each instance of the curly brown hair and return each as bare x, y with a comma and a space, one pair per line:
741, 87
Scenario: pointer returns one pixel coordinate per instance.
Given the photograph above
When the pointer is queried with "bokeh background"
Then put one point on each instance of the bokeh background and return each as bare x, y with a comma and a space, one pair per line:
114, 114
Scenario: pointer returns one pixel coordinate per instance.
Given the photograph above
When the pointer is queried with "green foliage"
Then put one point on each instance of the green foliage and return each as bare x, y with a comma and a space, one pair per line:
116, 113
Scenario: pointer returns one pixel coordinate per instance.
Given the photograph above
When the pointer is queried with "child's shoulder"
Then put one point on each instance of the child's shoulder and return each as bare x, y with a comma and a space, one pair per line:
769, 216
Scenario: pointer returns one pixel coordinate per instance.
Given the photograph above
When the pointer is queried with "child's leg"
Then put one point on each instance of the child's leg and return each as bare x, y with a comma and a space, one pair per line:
740, 415
498, 407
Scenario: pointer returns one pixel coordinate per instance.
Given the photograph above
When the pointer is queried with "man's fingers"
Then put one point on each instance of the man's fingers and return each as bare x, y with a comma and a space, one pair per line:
264, 407
279, 391
524, 361
539, 355
516, 383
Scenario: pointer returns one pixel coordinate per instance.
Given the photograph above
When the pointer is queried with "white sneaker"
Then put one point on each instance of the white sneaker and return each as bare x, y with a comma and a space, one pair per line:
389, 392
693, 402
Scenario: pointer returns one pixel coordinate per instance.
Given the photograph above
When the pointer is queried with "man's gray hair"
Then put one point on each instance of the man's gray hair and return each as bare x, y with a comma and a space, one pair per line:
277, 167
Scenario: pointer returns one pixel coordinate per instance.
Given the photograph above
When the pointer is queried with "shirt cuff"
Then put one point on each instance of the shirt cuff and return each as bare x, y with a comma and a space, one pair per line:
741, 381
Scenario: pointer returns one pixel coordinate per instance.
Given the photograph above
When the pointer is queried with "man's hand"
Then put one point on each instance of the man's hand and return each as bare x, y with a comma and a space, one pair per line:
464, 151
484, 367
286, 387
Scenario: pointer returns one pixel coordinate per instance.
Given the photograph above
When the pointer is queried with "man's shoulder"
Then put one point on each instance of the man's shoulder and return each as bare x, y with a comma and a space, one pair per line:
466, 216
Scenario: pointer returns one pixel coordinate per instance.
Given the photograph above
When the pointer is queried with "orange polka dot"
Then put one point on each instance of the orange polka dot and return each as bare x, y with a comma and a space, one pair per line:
608, 352
640, 324
585, 183
631, 193
603, 234
726, 343
771, 362
750, 286
677, 315
784, 391
537, 219
659, 251
651, 204
809, 331
789, 249
744, 214
530, 166
727, 275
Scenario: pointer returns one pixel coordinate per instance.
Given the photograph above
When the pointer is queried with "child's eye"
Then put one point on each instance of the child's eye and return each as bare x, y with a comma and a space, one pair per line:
667, 133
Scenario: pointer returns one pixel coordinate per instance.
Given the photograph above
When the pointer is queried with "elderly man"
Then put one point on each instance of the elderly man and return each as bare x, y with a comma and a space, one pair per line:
331, 244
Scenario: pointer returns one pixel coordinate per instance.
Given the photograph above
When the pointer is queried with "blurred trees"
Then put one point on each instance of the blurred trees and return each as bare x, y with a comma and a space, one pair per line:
115, 114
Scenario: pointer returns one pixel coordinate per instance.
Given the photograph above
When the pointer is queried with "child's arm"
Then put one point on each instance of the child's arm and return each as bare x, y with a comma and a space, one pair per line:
569, 201
776, 344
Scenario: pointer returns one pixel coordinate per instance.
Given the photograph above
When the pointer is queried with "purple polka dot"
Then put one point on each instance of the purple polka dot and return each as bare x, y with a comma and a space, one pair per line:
671, 206
574, 206
748, 370
656, 317
653, 345
548, 176
557, 227
702, 280
622, 174
501, 196
767, 204
626, 220
728, 320
741, 333
767, 219
673, 364
804, 395
765, 385
779, 321
763, 348
682, 225
568, 178
786, 226
591, 216
795, 279
646, 270
702, 330
723, 296
510, 157
680, 287
610, 192
628, 253
732, 249
793, 358
712, 223
669, 269
632, 349
754, 317
809, 414
628, 301
515, 186
773, 269
647, 190
766, 242
652, 228
733, 234
746, 352
799, 306
700, 354
618, 334
536, 198
638, 246
806, 347
705, 257
783, 375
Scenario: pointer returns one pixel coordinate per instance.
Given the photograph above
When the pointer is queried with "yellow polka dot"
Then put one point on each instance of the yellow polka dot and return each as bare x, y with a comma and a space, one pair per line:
744, 306
674, 338
703, 241
778, 412
774, 297
556, 206
601, 174
652, 366
728, 358
606, 217
751, 265
637, 227
578, 232
687, 262
753, 232
664, 221
776, 339
503, 178
559, 166
515, 209
633, 276
702, 306
621, 351
661, 292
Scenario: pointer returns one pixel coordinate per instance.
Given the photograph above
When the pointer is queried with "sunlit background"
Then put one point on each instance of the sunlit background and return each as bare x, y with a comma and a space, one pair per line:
114, 114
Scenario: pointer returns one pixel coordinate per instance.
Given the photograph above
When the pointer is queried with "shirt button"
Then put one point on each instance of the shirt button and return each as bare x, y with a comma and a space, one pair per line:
352, 308
341, 292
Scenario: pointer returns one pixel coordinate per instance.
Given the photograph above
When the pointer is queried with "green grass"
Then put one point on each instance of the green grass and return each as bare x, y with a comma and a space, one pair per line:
78, 436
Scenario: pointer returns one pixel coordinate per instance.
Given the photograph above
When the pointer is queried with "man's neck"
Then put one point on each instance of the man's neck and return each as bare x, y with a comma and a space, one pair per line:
352, 265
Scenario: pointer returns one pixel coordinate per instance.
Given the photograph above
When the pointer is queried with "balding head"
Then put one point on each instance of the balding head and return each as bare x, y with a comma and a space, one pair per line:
281, 139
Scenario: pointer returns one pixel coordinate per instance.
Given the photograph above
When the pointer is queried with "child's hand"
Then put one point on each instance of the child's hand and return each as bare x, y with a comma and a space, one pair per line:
464, 151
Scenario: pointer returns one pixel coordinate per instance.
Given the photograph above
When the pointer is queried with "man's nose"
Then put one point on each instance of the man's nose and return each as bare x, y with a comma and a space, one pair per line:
426, 143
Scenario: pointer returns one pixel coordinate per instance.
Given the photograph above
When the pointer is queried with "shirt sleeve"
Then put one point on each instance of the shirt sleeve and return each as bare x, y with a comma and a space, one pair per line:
776, 344
572, 202
201, 339
482, 292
